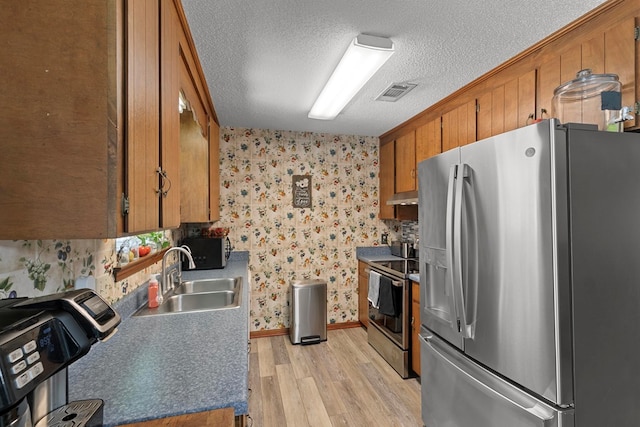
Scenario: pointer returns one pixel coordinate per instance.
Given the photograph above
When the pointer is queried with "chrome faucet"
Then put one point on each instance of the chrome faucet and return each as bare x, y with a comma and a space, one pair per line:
165, 279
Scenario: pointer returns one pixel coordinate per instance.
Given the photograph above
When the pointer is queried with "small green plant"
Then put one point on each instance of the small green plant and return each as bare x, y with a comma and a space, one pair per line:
156, 237
160, 239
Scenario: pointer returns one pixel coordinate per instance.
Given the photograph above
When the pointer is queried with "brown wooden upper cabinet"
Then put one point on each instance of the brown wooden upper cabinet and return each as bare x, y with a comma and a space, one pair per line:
459, 126
405, 152
507, 106
199, 145
429, 140
152, 177
194, 152
90, 127
398, 174
387, 179
172, 32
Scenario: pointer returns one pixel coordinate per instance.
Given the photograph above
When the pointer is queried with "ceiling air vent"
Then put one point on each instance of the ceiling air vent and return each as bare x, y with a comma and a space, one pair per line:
395, 91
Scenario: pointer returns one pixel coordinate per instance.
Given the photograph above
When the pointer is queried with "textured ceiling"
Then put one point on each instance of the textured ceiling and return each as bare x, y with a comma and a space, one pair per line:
266, 61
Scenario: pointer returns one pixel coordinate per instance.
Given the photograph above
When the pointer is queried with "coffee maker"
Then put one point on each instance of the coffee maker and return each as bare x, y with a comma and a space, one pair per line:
39, 338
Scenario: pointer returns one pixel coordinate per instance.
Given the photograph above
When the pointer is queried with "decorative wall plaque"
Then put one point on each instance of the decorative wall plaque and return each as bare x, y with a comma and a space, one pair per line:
301, 191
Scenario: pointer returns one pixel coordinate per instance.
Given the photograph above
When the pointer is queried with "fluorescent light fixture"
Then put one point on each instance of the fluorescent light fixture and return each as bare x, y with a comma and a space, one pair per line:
363, 58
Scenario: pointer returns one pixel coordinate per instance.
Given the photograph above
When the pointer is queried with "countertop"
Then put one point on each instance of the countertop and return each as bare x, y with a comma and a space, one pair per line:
161, 366
374, 253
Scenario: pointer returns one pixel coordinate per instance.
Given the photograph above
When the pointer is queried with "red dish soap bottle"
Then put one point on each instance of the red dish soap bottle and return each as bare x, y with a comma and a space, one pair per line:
153, 291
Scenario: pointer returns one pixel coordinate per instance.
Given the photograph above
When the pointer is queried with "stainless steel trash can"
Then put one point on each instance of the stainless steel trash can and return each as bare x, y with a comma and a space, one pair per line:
308, 312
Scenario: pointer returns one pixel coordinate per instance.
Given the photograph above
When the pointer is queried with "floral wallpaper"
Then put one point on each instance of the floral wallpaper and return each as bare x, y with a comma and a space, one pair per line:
288, 243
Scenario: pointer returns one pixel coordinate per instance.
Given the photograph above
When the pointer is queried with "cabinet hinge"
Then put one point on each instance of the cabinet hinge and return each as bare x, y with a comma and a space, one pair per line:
125, 205
636, 31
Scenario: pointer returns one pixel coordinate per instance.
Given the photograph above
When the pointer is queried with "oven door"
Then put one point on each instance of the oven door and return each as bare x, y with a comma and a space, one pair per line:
394, 327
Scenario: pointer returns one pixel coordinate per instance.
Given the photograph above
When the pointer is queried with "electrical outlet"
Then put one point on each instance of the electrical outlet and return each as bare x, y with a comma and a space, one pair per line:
384, 239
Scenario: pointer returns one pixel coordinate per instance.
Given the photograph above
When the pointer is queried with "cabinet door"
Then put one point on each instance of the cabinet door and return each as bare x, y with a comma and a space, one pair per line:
405, 152
143, 98
214, 171
592, 51
415, 327
526, 98
61, 121
511, 105
194, 170
570, 63
387, 180
484, 116
548, 81
450, 130
508, 106
497, 110
363, 293
592, 54
467, 123
170, 28
194, 150
428, 140
459, 126
620, 58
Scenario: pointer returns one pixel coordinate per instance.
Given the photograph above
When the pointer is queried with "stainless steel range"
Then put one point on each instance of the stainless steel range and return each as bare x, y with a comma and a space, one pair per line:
389, 309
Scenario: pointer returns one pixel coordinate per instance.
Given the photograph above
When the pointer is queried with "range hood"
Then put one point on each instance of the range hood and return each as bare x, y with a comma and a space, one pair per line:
404, 198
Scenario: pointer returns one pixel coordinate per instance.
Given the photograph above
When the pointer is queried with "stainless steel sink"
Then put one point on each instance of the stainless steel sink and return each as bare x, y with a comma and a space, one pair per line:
198, 296
208, 285
199, 302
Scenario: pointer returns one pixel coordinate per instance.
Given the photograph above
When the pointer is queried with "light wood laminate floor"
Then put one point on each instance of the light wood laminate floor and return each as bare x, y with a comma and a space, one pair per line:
340, 382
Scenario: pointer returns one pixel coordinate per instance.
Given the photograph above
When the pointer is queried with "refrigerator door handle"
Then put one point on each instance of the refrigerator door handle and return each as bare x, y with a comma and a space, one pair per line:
449, 234
466, 285
456, 252
518, 399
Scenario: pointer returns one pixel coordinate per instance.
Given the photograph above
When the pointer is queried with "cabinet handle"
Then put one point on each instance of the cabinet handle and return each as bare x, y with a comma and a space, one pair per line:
163, 178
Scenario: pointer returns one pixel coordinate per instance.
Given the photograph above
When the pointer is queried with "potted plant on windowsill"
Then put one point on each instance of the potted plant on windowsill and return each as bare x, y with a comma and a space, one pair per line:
152, 242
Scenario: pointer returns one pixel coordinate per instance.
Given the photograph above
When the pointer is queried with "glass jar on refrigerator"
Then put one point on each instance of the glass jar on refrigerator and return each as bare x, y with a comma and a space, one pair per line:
593, 99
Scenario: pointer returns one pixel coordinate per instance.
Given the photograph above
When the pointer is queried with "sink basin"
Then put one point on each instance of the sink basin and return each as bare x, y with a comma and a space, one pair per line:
208, 285
198, 302
198, 296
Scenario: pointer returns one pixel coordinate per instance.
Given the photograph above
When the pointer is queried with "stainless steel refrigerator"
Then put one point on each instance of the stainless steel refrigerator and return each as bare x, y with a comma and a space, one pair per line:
530, 280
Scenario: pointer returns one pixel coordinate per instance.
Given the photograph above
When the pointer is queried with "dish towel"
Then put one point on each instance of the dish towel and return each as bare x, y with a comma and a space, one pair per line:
387, 298
374, 288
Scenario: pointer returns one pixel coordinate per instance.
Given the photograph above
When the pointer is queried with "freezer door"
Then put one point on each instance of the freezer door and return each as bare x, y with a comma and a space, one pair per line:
435, 211
459, 393
605, 211
508, 259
